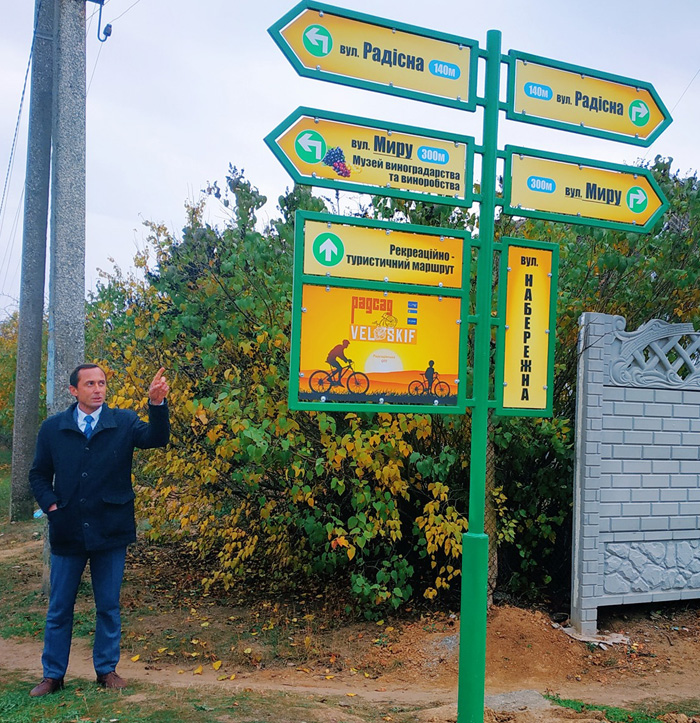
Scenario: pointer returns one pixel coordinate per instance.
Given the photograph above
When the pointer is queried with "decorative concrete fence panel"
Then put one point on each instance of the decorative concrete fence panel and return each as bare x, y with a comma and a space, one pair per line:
637, 476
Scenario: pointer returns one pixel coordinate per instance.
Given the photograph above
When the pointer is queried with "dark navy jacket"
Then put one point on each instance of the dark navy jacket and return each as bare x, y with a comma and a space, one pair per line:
90, 481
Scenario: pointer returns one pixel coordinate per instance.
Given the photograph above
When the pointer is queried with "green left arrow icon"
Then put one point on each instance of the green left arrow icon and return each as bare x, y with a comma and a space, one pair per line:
310, 146
328, 249
318, 41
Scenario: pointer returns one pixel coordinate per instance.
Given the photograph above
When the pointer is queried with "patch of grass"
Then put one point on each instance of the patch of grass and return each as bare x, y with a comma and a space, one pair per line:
24, 607
621, 715
82, 700
5, 460
12, 532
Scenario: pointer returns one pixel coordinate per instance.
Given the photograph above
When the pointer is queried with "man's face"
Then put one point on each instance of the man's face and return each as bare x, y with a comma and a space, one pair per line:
91, 389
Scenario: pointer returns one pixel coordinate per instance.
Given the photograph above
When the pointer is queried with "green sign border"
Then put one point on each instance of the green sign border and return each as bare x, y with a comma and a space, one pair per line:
508, 153
301, 279
370, 189
468, 104
506, 244
515, 55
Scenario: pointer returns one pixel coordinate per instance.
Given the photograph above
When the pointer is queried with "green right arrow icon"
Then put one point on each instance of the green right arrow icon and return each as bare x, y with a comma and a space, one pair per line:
637, 199
639, 113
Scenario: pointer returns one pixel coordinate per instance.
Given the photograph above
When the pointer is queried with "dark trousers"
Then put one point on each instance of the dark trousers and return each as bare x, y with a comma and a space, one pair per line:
107, 572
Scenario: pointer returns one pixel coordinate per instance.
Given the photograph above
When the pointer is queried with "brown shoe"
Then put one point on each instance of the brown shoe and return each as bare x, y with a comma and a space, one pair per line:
47, 685
111, 680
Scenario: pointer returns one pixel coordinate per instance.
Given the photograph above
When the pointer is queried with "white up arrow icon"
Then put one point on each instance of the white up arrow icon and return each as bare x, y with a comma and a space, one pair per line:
329, 249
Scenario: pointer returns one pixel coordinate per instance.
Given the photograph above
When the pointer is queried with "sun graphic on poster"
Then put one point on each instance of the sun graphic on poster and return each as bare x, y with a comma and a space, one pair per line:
383, 360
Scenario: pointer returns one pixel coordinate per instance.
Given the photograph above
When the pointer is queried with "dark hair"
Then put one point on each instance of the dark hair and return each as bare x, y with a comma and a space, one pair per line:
73, 381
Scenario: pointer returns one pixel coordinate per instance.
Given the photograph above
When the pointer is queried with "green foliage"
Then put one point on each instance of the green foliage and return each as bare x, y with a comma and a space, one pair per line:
9, 328
637, 276
623, 715
534, 468
8, 365
376, 504
372, 503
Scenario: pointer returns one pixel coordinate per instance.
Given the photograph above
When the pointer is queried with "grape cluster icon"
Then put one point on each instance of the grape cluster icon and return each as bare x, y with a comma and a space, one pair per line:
336, 159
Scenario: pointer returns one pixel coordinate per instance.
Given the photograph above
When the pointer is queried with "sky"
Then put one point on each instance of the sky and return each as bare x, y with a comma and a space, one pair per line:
183, 89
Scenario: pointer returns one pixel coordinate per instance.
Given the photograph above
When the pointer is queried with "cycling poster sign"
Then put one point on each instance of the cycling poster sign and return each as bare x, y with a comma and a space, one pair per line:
377, 347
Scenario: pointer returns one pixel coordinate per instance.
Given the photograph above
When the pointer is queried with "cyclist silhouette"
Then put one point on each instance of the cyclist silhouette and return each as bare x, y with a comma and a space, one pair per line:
430, 374
338, 352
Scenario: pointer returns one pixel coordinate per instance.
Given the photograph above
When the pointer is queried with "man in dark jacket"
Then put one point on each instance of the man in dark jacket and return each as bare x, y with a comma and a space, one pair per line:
81, 478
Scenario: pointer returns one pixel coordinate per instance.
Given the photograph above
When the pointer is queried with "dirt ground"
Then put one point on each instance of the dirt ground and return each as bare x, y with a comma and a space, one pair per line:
417, 661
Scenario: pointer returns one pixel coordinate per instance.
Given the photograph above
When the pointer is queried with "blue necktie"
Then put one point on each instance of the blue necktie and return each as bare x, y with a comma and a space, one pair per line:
88, 426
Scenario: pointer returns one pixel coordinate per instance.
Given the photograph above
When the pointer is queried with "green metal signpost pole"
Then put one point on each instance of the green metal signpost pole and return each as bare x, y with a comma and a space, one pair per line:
475, 543
323, 42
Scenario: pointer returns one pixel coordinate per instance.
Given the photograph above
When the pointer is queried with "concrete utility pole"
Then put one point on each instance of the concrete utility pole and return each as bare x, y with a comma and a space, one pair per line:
31, 298
67, 270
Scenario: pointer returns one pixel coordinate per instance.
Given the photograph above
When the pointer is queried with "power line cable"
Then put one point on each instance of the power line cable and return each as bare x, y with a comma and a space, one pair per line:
126, 11
94, 12
10, 248
94, 68
11, 161
686, 90
14, 139
677, 103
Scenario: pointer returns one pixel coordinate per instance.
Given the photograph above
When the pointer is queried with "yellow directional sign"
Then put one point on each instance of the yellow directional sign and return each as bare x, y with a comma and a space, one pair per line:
351, 48
356, 154
528, 333
344, 250
581, 100
573, 189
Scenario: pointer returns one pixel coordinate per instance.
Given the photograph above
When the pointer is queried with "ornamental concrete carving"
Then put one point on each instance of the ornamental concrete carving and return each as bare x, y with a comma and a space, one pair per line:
658, 353
651, 566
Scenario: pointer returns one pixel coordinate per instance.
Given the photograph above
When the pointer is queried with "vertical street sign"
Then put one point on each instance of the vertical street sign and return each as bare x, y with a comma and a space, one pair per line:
569, 97
577, 190
528, 302
343, 46
333, 150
